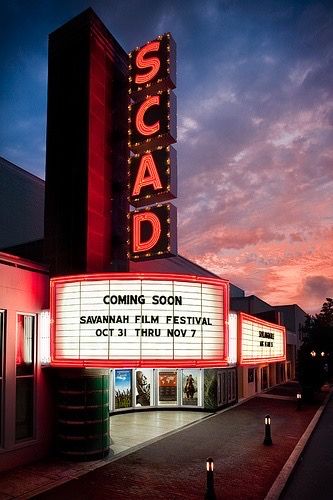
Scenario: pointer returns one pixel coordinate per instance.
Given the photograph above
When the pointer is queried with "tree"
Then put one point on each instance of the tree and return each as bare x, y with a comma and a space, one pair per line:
318, 329
315, 357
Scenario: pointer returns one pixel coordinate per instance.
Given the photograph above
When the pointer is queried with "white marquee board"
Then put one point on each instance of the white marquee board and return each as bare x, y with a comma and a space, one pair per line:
261, 340
138, 319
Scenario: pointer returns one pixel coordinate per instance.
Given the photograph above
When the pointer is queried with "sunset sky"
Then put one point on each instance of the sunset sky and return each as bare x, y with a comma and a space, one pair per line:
255, 127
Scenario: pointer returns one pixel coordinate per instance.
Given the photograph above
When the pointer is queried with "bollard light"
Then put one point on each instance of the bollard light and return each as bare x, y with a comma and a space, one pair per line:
268, 437
299, 400
210, 465
210, 492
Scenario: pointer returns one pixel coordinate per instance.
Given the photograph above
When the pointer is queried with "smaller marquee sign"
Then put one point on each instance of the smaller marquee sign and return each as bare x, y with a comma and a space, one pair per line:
260, 341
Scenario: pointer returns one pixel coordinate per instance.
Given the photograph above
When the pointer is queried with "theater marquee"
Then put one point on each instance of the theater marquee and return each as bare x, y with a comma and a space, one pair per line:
137, 320
260, 341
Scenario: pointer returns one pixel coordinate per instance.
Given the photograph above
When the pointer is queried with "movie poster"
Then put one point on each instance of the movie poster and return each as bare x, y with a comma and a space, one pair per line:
143, 387
122, 389
167, 387
190, 387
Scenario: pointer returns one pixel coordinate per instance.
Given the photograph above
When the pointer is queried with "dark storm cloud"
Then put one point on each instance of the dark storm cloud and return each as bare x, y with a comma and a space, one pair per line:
319, 287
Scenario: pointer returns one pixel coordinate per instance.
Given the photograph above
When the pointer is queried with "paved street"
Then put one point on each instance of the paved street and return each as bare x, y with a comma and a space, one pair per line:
174, 467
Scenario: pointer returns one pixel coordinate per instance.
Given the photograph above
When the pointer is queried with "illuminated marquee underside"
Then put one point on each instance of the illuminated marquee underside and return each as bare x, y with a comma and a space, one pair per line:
138, 320
260, 341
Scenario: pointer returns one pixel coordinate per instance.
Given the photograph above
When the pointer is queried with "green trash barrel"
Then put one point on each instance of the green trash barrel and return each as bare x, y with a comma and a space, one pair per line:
83, 423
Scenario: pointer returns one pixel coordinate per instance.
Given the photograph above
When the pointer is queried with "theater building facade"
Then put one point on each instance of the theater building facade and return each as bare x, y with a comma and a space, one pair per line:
114, 320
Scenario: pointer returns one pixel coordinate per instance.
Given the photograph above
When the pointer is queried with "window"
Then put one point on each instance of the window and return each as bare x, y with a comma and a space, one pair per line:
250, 375
25, 376
2, 336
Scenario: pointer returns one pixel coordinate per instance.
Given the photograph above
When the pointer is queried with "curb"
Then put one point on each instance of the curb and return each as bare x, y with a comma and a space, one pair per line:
286, 471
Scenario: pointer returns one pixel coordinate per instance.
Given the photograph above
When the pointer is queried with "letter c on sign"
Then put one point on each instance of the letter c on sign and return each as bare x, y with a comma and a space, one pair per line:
139, 119
138, 219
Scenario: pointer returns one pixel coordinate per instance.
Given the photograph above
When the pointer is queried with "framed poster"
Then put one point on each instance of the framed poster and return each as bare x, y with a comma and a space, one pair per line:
167, 387
143, 387
122, 389
190, 387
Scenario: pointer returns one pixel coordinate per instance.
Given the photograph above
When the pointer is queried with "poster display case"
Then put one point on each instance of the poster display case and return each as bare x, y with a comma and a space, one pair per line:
143, 388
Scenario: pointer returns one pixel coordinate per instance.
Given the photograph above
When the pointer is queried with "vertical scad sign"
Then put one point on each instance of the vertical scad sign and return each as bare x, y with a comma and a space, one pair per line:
152, 161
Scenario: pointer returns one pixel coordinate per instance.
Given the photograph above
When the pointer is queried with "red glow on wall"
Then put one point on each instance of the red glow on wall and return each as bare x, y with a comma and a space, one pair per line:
151, 62
138, 244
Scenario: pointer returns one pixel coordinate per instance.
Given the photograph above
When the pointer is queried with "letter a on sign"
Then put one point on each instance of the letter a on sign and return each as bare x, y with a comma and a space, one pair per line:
153, 177
147, 164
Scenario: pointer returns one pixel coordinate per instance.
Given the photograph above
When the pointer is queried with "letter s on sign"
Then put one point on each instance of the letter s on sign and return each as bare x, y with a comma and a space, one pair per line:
151, 62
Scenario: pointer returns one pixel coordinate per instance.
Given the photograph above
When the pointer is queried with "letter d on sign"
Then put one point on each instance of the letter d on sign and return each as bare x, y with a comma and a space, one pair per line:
152, 232
140, 244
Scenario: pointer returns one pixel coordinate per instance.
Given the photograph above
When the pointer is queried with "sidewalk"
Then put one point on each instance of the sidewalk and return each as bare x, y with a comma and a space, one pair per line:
313, 474
174, 467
